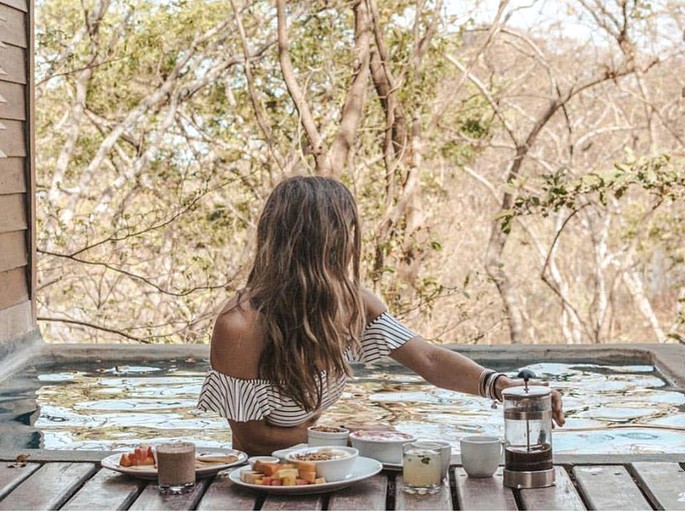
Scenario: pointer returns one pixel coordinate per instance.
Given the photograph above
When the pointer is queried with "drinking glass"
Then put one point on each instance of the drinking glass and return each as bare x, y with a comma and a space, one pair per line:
176, 467
445, 450
421, 467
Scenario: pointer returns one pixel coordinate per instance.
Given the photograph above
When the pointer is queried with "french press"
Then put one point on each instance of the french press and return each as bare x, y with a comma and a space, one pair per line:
528, 435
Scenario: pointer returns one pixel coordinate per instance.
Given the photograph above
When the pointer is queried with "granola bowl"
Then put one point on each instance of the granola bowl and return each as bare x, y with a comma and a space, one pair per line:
384, 446
334, 463
321, 435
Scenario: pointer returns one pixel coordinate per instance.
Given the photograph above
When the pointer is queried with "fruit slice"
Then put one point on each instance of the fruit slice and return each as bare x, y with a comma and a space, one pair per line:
308, 476
306, 465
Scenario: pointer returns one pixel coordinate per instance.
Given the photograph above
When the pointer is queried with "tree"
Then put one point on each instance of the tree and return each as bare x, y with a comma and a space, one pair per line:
163, 126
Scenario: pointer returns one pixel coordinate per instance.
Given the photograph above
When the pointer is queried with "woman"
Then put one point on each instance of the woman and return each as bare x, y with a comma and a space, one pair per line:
281, 348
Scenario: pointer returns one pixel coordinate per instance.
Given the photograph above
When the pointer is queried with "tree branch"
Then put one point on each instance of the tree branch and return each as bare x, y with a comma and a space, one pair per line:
356, 95
306, 118
93, 326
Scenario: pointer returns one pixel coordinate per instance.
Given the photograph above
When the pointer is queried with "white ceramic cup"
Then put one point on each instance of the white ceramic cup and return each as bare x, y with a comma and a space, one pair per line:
445, 450
480, 455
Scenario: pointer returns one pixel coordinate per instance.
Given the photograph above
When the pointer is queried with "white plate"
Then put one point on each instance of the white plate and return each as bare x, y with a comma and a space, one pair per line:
150, 472
363, 468
282, 453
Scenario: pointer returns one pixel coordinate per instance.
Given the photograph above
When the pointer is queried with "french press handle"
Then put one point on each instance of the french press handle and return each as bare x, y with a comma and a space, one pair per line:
526, 375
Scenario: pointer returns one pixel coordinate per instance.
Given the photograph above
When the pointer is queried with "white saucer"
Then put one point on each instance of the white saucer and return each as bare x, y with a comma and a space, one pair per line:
150, 472
363, 468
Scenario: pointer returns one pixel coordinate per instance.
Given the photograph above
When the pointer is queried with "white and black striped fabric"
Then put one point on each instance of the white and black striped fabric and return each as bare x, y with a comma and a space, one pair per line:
256, 399
381, 335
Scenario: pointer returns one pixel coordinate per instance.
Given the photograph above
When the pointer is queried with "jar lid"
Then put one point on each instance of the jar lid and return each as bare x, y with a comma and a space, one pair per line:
519, 392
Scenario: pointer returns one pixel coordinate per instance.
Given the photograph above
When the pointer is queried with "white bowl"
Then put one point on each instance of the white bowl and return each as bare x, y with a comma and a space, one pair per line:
317, 437
263, 458
334, 469
384, 446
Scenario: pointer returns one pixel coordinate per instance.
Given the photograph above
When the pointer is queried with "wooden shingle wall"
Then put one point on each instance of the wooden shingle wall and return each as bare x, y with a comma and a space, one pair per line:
17, 206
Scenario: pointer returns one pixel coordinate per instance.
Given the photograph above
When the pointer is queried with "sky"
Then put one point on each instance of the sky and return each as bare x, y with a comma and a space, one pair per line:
570, 19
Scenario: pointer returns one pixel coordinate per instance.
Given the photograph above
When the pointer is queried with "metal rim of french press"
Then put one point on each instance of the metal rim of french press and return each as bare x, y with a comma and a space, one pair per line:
528, 479
523, 392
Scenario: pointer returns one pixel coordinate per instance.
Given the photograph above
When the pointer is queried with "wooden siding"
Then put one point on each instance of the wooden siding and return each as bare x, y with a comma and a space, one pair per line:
21, 5
13, 64
13, 253
12, 175
12, 138
12, 212
13, 26
14, 283
12, 101
17, 204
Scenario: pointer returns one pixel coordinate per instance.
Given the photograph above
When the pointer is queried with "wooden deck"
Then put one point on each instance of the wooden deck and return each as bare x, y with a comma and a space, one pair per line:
83, 485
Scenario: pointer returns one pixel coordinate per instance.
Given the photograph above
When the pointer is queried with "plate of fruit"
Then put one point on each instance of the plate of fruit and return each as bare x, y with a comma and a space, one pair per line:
141, 462
299, 477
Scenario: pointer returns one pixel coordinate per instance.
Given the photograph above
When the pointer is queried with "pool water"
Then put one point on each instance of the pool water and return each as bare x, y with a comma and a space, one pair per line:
104, 406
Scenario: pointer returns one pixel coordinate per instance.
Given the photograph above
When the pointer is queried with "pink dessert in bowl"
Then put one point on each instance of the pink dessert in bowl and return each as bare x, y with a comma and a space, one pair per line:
383, 445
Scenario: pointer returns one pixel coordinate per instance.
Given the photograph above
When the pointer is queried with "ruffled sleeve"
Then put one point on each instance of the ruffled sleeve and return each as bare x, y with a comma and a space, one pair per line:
235, 399
381, 335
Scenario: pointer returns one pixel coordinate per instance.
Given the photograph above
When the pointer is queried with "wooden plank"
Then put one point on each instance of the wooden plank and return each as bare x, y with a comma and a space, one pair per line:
48, 487
10, 477
308, 502
483, 493
12, 250
151, 499
441, 500
12, 101
107, 490
12, 213
13, 64
222, 494
609, 488
562, 496
17, 4
31, 160
12, 26
12, 138
371, 494
662, 482
12, 175
14, 287
16, 321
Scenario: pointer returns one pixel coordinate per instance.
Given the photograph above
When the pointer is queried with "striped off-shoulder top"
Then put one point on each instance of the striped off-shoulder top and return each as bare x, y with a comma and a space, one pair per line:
257, 399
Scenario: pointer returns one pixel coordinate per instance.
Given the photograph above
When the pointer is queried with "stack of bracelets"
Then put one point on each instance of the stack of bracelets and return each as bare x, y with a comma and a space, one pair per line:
487, 384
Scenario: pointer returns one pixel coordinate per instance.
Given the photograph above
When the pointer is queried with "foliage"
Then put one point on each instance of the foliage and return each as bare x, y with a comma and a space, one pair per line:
663, 179
158, 141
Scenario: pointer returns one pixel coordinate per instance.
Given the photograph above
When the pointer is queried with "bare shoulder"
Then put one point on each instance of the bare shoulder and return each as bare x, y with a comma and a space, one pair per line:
236, 341
373, 304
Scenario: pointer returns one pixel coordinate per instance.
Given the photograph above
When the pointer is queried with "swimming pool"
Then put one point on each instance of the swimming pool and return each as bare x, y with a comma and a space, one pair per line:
105, 405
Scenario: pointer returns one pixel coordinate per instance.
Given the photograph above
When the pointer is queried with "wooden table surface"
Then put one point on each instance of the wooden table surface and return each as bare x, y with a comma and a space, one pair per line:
84, 485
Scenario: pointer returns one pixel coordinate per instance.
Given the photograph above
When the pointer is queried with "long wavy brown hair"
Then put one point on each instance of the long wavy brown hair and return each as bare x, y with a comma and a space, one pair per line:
305, 285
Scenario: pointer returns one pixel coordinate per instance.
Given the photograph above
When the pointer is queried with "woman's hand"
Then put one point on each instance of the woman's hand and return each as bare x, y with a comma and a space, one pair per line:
557, 404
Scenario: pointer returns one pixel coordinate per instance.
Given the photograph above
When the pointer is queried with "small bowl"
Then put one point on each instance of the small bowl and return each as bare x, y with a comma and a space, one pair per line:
384, 446
332, 463
263, 458
327, 436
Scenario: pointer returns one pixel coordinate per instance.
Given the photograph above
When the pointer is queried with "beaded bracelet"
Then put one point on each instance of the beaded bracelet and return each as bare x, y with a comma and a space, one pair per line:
491, 385
483, 381
494, 388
